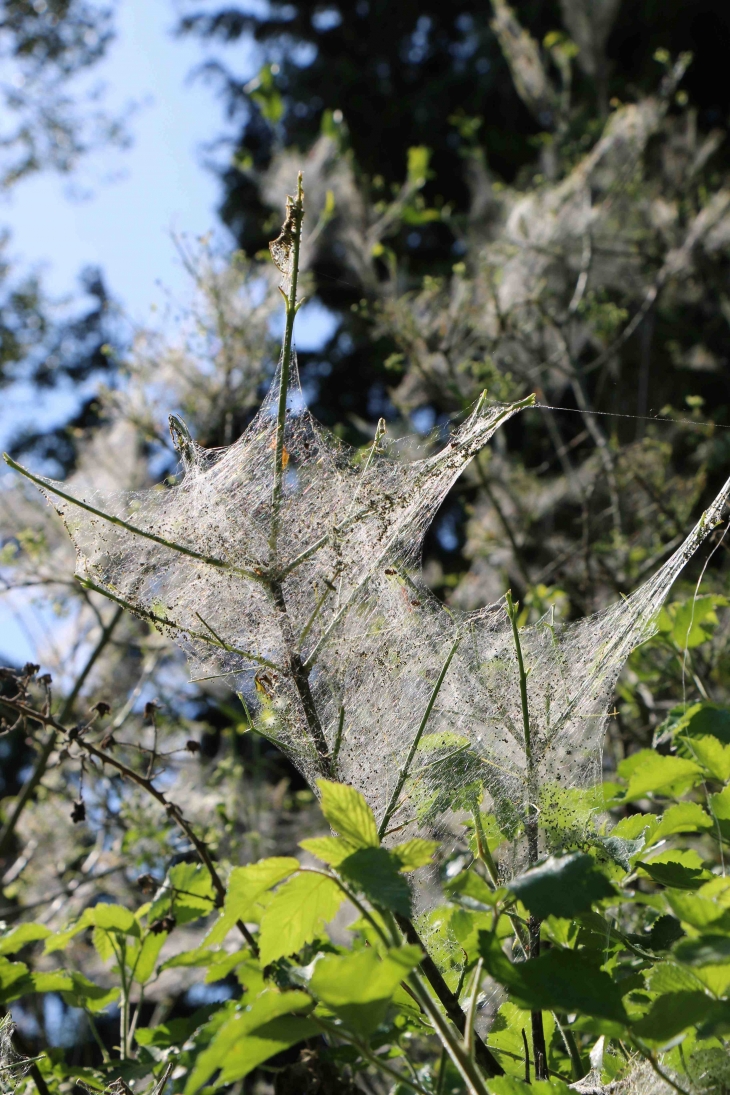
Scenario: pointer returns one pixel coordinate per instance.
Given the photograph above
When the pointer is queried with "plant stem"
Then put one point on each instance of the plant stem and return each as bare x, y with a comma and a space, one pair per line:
211, 560
456, 1051
293, 225
449, 1002
578, 1068
39, 770
403, 775
539, 1048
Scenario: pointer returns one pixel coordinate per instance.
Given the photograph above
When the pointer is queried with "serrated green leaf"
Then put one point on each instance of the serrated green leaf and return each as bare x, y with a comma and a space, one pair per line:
697, 720
669, 977
563, 980
693, 908
710, 753
297, 914
562, 886
684, 817
348, 813
113, 918
648, 772
510, 1085
246, 886
19, 937
330, 849
187, 894
415, 853
86, 994
271, 1024
144, 965
469, 884
674, 875
375, 873
672, 1013
359, 987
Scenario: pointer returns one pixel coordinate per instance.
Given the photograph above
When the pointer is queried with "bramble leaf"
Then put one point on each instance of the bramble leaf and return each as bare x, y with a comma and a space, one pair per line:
672, 1013
414, 853
19, 937
330, 849
561, 980
246, 886
348, 813
562, 886
359, 987
375, 873
648, 772
297, 914
269, 1026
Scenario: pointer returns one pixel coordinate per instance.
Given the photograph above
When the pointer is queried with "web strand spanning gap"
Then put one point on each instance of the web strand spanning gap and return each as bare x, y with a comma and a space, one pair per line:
634, 417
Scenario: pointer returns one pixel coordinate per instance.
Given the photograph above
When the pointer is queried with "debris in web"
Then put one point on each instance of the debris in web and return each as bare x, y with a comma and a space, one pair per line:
13, 1067
307, 597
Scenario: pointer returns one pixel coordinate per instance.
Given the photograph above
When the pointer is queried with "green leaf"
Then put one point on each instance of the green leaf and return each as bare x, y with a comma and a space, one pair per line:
19, 937
675, 875
414, 853
691, 623
246, 886
710, 753
187, 894
672, 1013
704, 950
245, 1041
175, 1031
563, 980
348, 813
418, 161
81, 992
694, 909
469, 884
11, 972
510, 1085
330, 849
685, 817
359, 987
562, 886
297, 914
375, 873
697, 720
114, 918
668, 977
144, 965
648, 772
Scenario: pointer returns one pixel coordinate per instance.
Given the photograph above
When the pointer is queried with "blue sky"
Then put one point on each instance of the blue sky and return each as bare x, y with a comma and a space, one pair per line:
131, 202
135, 198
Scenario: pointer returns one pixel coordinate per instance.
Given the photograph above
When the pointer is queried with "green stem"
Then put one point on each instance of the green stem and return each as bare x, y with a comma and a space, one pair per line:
295, 214
449, 1002
39, 770
456, 1051
576, 1061
483, 852
403, 775
539, 1047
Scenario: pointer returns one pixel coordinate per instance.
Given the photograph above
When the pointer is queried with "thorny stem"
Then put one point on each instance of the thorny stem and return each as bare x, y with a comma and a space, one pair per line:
539, 1048
171, 808
403, 774
295, 214
50, 743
